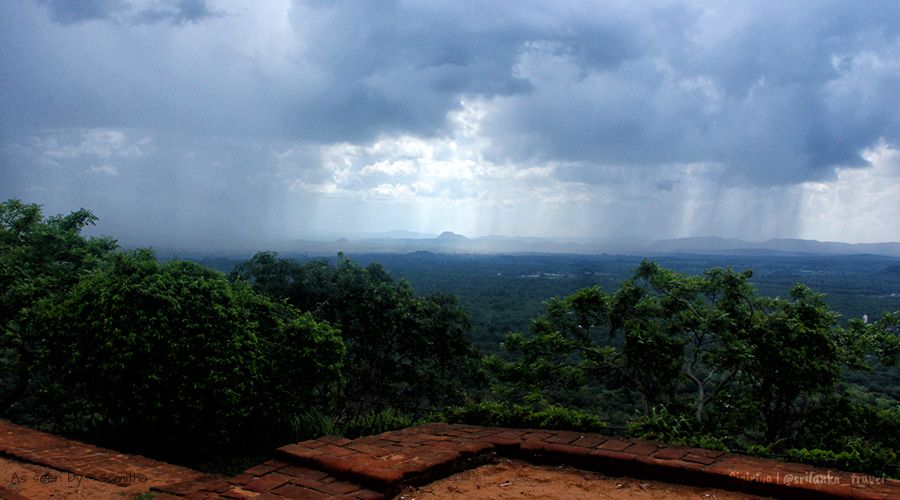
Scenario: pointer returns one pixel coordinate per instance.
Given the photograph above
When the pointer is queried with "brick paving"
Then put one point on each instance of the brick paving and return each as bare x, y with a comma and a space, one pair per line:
273, 479
24, 444
379, 466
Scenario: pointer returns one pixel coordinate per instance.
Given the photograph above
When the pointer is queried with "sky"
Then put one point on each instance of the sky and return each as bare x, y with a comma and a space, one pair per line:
192, 122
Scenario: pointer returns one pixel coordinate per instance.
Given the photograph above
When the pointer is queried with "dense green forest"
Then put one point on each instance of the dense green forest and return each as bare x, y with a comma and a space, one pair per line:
198, 365
502, 293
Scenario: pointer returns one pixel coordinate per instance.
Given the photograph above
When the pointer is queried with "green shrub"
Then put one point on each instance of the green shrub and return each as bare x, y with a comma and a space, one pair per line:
558, 417
309, 424
174, 355
660, 424
303, 376
872, 459
505, 414
376, 422
487, 413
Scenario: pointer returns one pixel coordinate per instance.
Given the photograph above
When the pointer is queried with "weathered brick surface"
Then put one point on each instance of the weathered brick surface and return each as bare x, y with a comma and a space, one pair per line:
533, 447
671, 453
566, 451
261, 469
696, 458
30, 445
336, 440
386, 478
642, 449
338, 488
375, 467
590, 441
473, 448
367, 494
511, 434
614, 445
503, 443
537, 436
10, 494
269, 482
604, 456
563, 438
299, 492
303, 472
300, 451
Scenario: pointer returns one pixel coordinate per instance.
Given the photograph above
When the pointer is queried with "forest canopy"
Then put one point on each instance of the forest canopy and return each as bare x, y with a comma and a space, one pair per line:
176, 358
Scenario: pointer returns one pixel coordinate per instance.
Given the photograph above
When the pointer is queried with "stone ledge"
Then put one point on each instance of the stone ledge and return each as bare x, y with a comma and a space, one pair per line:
374, 467
29, 445
413, 451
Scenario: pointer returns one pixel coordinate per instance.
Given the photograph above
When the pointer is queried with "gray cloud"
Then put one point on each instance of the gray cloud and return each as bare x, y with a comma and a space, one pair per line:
180, 12
642, 85
762, 99
627, 108
775, 98
135, 12
74, 11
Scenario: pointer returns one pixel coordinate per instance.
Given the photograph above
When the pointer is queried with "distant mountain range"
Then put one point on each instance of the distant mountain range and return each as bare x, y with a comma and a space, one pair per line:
779, 246
449, 242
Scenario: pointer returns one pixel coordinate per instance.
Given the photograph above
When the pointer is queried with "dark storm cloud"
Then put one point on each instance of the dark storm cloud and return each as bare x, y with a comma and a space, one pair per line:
74, 11
776, 93
172, 11
180, 12
400, 67
784, 94
391, 67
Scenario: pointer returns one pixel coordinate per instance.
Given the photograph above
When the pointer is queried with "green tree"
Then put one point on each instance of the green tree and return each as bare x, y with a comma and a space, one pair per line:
793, 355
401, 349
174, 355
38, 257
704, 342
698, 333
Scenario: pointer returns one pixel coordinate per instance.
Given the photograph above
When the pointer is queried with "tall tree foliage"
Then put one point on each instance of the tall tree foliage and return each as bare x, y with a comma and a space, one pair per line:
39, 256
102, 342
176, 355
706, 342
401, 349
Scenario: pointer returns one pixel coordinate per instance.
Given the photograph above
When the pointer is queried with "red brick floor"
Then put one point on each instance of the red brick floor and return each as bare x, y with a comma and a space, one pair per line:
24, 444
378, 466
